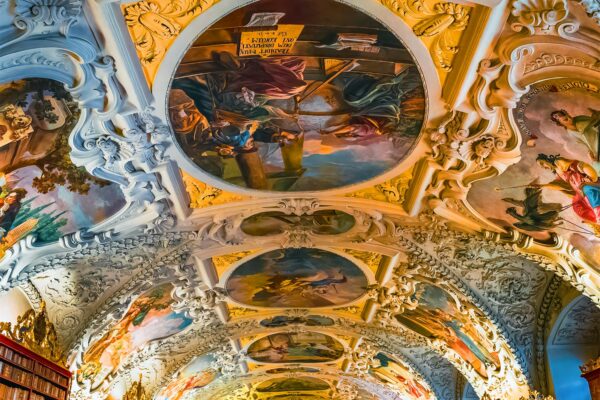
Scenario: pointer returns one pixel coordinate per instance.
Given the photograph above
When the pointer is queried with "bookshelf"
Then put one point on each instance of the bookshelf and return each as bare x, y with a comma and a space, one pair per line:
25, 375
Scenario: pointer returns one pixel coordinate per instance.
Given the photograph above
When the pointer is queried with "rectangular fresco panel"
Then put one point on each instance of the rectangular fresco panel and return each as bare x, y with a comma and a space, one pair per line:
42, 191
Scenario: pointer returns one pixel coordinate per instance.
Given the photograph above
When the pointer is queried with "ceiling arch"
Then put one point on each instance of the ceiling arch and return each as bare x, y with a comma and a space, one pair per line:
422, 278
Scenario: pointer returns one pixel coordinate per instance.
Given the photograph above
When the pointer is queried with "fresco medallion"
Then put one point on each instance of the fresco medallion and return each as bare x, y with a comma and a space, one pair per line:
295, 347
297, 278
300, 384
323, 222
275, 98
554, 188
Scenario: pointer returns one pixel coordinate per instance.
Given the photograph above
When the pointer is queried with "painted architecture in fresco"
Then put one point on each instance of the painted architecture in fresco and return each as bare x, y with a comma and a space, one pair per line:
293, 102
395, 374
149, 317
555, 186
297, 278
307, 347
325, 222
438, 317
42, 192
196, 375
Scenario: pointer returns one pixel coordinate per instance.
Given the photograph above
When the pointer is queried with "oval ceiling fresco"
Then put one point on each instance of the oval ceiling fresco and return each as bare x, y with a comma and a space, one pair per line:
295, 347
310, 320
322, 222
554, 188
297, 278
42, 192
300, 384
296, 100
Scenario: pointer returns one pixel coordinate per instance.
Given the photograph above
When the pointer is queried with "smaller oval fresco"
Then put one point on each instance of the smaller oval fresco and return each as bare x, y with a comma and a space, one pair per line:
438, 317
197, 374
324, 222
397, 375
310, 320
41, 191
311, 113
297, 278
293, 370
149, 317
300, 384
296, 347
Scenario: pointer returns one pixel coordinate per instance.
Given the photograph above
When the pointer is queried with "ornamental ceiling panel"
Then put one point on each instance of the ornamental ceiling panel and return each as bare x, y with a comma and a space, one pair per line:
302, 200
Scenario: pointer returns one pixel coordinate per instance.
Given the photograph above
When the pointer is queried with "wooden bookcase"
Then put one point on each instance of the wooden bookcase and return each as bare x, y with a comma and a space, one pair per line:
25, 375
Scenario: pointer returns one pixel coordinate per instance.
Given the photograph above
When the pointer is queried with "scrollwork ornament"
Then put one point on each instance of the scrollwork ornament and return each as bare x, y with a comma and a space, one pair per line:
45, 16
442, 23
539, 16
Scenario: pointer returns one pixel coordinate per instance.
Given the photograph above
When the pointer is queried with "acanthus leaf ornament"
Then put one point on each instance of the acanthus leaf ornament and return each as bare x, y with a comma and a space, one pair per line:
37, 17
153, 23
539, 16
441, 22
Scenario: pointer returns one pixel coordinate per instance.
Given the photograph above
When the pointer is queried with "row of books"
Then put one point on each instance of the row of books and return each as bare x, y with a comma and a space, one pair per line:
12, 393
42, 385
15, 374
50, 374
16, 358
27, 363
28, 379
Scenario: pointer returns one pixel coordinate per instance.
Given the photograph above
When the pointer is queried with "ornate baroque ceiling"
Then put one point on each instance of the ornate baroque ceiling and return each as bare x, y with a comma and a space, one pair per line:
302, 199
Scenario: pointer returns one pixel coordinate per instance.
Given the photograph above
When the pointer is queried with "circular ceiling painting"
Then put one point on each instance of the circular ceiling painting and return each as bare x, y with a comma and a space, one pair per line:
297, 278
294, 347
296, 96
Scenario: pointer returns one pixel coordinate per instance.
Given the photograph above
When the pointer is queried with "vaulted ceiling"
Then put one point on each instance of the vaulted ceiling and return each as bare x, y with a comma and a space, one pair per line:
303, 199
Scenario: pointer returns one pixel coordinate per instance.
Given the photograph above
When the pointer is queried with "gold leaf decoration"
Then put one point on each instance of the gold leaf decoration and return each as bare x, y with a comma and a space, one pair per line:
136, 392
237, 312
443, 22
372, 260
153, 25
392, 191
203, 195
223, 262
35, 331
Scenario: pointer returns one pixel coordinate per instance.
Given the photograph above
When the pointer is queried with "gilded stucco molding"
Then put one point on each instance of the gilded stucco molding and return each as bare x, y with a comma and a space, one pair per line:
438, 24
154, 25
